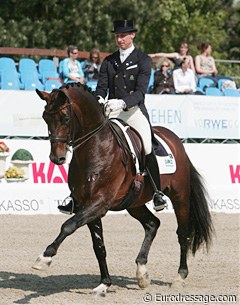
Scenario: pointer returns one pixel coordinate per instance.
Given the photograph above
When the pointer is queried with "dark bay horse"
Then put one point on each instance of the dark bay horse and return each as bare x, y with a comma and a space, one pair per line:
101, 174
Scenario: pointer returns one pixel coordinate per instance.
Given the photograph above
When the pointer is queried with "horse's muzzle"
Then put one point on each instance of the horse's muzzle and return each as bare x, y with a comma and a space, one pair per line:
58, 160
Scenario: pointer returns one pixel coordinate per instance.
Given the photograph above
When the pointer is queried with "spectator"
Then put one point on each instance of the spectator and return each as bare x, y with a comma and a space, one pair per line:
72, 70
163, 80
184, 78
92, 65
205, 63
177, 57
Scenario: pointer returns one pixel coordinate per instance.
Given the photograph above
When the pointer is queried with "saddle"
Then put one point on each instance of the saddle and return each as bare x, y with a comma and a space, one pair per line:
135, 148
135, 143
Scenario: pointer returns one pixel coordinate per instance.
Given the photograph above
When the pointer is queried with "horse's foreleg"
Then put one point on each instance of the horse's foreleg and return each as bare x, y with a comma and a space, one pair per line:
95, 228
150, 224
67, 229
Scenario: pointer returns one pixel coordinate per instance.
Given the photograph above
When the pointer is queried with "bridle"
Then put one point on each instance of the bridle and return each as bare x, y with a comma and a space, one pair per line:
53, 138
69, 140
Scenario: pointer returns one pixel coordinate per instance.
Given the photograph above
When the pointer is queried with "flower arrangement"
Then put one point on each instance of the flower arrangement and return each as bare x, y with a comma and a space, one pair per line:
3, 147
14, 172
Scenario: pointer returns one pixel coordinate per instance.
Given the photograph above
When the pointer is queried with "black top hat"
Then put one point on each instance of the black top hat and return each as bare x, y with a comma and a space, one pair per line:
123, 26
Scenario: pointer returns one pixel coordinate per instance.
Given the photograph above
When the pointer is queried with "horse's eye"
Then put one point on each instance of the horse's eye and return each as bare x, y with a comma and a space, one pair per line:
65, 120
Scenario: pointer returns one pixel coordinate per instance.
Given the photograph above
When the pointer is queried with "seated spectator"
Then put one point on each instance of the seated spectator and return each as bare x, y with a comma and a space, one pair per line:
92, 65
72, 70
184, 78
177, 57
163, 80
205, 63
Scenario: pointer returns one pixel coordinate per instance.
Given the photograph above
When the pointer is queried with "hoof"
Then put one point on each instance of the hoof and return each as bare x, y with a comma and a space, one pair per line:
42, 262
142, 276
100, 290
178, 282
183, 273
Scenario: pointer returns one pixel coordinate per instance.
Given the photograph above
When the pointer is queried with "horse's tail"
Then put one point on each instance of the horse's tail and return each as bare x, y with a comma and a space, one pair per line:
201, 226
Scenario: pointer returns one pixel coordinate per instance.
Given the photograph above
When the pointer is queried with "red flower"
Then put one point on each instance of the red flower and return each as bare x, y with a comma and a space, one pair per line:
3, 147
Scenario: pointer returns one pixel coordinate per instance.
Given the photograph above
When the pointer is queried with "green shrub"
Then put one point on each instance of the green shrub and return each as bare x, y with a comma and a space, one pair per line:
23, 155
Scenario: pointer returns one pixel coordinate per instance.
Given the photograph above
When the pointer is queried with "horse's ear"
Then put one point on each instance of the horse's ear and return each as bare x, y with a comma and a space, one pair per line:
43, 95
60, 97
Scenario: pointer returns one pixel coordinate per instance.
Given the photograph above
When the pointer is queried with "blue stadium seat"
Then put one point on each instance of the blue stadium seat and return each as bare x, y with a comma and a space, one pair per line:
7, 62
27, 64
28, 69
204, 82
52, 84
8, 73
10, 83
32, 84
231, 92
151, 81
92, 85
29, 75
7, 66
199, 89
52, 75
213, 91
45, 65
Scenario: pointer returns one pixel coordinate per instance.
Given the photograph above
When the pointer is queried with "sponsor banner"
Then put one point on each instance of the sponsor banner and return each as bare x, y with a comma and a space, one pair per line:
190, 116
31, 199
47, 185
194, 116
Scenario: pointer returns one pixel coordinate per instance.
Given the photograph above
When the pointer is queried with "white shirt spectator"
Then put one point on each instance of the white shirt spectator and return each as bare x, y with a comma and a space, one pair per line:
184, 81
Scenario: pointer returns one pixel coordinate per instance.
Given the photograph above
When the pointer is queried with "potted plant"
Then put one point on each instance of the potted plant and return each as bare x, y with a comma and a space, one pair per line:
14, 174
21, 159
4, 153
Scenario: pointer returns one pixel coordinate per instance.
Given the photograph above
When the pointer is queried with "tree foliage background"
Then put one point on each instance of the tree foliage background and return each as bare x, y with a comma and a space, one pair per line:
162, 24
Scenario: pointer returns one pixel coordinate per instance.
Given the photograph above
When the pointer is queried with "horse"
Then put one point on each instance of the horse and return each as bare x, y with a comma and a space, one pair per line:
76, 118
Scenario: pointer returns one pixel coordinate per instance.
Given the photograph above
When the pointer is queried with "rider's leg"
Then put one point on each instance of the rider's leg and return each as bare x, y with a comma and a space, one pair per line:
135, 118
154, 176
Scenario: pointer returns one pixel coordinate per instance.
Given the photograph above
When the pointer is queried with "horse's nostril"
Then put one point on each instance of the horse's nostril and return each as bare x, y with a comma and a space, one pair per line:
61, 160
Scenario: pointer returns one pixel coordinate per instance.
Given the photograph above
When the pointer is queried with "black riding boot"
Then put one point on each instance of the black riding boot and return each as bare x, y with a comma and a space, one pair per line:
68, 208
153, 171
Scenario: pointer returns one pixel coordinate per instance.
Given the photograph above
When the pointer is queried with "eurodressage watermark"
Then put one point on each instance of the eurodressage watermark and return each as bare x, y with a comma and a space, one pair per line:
188, 298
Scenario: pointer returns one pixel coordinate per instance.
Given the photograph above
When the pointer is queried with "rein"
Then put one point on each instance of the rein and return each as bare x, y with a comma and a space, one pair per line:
89, 135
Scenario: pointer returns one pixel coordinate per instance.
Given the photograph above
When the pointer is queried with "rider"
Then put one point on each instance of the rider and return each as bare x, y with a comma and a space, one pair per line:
124, 77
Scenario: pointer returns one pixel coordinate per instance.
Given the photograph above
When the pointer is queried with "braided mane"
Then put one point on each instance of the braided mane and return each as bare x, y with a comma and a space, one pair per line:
84, 87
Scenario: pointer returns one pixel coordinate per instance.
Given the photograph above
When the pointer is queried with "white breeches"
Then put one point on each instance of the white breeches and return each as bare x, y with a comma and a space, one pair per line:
136, 119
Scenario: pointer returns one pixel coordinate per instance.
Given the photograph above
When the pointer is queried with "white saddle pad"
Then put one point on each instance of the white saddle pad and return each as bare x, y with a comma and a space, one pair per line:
167, 164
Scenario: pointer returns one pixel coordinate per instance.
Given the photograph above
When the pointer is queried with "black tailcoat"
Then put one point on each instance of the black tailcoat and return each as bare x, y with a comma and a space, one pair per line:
128, 80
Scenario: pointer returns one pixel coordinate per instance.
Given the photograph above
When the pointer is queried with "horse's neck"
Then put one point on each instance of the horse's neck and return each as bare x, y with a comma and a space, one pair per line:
89, 115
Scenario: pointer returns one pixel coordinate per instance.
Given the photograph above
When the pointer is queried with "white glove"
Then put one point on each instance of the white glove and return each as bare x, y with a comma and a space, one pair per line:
101, 100
115, 104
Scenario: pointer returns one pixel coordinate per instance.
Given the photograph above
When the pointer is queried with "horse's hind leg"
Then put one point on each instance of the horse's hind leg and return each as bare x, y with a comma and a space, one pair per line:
95, 228
150, 224
182, 215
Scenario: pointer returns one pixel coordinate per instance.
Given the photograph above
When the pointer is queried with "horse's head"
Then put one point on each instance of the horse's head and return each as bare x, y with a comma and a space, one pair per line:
57, 116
